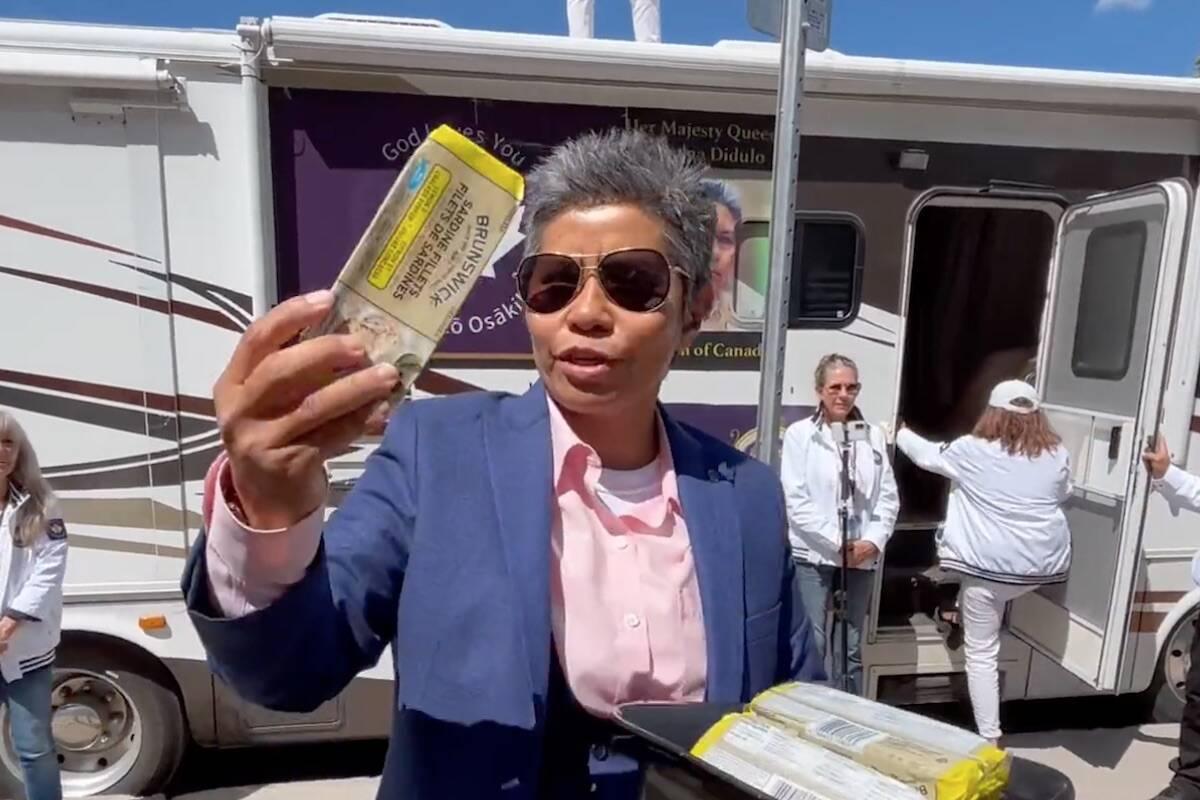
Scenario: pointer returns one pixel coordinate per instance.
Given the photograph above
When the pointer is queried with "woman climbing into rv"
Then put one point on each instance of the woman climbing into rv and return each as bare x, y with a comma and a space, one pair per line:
33, 550
811, 472
1005, 533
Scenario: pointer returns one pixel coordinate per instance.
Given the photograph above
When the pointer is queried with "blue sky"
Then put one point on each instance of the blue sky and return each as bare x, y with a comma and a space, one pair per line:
1146, 36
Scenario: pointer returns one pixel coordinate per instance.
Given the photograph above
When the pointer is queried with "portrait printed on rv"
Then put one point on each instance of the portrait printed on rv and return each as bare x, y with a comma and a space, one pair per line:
740, 254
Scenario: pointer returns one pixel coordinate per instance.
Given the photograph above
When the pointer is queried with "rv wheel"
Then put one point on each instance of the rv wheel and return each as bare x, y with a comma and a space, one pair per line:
117, 727
1167, 693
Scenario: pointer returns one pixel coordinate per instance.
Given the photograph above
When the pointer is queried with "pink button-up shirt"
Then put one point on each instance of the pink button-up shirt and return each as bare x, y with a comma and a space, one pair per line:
625, 601
624, 596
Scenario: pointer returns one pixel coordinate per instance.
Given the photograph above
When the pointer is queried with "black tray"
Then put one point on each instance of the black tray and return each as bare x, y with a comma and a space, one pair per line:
668, 731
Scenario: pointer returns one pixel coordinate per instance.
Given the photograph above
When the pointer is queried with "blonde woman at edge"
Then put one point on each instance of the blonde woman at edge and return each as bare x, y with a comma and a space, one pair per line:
1006, 533
811, 471
33, 553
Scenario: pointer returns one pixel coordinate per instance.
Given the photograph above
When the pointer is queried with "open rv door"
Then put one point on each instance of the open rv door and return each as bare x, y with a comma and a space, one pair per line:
1101, 368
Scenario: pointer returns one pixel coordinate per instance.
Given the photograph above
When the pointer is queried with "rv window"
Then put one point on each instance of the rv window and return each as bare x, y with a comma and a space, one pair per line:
825, 273
1108, 301
824, 290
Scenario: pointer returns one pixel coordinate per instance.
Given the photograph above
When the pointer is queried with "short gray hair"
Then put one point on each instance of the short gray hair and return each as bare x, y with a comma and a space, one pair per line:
721, 192
633, 167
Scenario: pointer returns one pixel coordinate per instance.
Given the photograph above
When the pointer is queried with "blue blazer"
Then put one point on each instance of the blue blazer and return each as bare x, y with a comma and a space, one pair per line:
442, 551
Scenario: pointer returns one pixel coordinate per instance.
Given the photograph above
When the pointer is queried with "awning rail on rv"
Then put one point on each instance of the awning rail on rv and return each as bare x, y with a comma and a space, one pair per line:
66, 37
731, 65
84, 71
421, 46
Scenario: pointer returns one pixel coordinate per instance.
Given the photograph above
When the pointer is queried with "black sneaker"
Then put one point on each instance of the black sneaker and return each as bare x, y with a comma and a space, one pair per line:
946, 620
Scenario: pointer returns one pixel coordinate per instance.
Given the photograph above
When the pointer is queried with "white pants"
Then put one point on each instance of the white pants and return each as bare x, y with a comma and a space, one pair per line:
647, 22
982, 605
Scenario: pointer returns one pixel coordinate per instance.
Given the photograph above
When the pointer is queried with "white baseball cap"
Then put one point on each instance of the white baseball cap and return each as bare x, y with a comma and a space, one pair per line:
1005, 393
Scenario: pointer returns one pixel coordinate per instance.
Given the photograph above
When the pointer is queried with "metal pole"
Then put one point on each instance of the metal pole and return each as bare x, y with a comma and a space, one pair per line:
784, 178
256, 170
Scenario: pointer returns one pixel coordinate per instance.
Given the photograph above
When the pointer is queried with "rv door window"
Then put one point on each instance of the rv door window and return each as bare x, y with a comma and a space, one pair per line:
825, 282
1108, 301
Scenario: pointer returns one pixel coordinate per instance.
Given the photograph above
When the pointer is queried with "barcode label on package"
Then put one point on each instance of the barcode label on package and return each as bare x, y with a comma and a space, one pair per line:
846, 734
782, 789
739, 768
895, 721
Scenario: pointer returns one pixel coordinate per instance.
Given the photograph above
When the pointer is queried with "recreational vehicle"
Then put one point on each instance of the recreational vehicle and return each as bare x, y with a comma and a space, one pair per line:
958, 223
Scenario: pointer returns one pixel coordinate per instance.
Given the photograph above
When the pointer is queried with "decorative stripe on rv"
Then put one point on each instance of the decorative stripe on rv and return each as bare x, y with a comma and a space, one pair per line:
178, 307
53, 233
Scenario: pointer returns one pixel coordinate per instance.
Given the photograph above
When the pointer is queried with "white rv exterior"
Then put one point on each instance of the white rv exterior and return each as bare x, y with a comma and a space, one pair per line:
162, 187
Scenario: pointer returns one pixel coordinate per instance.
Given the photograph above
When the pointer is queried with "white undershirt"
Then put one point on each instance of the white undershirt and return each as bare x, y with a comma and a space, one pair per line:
621, 490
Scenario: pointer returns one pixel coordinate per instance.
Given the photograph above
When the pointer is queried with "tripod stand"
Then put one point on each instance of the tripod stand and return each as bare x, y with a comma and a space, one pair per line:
845, 499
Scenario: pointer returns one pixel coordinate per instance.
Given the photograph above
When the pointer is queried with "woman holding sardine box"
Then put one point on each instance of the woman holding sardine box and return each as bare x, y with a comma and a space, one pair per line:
533, 561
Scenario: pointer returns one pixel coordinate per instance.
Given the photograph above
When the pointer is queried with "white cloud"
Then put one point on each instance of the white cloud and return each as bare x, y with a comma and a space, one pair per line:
1123, 5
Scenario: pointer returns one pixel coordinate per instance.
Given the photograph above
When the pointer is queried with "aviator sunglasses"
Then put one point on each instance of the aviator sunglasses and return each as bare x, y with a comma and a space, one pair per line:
636, 279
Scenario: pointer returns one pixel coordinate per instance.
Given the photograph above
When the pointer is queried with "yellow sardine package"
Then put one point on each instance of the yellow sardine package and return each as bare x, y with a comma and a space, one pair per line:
994, 764
770, 758
434, 234
935, 772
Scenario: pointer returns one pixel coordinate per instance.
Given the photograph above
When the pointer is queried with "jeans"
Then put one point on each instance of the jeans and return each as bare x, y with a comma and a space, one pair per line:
814, 589
981, 604
28, 703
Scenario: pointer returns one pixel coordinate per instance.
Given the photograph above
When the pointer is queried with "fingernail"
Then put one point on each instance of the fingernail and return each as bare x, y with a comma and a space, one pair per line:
321, 297
387, 371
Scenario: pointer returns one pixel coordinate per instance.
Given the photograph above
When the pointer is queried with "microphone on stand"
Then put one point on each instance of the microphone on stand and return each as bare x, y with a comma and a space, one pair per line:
845, 434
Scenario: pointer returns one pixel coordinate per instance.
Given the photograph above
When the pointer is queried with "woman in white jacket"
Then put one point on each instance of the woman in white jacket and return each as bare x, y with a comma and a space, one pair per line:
1005, 531
33, 559
811, 474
